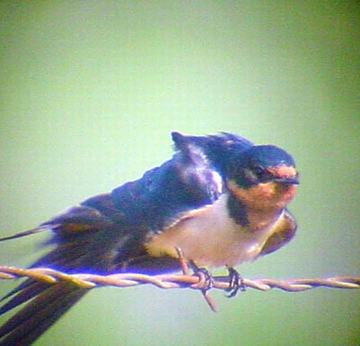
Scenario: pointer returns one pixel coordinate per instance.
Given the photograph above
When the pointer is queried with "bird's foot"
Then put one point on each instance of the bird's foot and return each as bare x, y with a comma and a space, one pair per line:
236, 283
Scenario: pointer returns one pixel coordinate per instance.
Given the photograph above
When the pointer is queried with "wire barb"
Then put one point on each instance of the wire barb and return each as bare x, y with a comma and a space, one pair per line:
167, 281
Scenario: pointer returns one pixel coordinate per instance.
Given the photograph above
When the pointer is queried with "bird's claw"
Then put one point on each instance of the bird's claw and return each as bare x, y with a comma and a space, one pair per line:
236, 283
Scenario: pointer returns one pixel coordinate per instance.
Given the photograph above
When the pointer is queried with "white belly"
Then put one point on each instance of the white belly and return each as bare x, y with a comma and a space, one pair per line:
209, 237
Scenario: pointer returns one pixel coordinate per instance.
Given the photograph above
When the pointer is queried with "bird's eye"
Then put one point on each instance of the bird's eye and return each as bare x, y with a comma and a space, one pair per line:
260, 171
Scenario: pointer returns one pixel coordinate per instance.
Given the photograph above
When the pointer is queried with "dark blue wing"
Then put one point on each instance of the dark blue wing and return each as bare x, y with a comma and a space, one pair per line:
188, 181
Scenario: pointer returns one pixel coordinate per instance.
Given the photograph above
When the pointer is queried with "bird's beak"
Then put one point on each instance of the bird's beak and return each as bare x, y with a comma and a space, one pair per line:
288, 181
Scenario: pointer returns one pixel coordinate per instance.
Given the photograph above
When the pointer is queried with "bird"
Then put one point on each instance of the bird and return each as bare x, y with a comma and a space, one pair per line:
220, 198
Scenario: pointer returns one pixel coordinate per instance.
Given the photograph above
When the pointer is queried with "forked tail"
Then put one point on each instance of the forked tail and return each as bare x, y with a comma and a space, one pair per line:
39, 314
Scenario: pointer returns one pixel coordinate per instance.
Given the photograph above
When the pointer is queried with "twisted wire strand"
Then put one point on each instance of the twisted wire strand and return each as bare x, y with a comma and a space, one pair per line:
168, 281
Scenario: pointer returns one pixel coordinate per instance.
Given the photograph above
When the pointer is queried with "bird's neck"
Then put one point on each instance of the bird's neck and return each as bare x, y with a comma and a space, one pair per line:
259, 206
251, 217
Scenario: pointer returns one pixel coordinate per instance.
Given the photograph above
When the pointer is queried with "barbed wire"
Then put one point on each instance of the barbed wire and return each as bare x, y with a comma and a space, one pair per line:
168, 281
185, 280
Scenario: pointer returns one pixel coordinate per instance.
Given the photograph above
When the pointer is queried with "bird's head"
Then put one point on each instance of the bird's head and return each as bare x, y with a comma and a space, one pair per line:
262, 177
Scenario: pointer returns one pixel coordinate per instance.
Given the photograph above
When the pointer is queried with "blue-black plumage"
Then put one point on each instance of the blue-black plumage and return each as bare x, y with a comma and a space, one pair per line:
220, 198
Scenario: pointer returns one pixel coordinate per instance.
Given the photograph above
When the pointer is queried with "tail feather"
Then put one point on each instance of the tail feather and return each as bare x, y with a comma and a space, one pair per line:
76, 235
25, 233
31, 288
36, 317
24, 293
23, 285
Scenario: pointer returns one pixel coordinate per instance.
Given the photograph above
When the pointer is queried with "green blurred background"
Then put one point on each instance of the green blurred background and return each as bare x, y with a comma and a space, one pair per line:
89, 91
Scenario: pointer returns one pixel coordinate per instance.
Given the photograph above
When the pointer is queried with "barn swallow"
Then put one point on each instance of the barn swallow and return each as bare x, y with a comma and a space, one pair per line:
221, 199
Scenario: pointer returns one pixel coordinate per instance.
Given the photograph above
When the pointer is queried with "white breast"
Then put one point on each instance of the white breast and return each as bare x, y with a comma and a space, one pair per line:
209, 237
